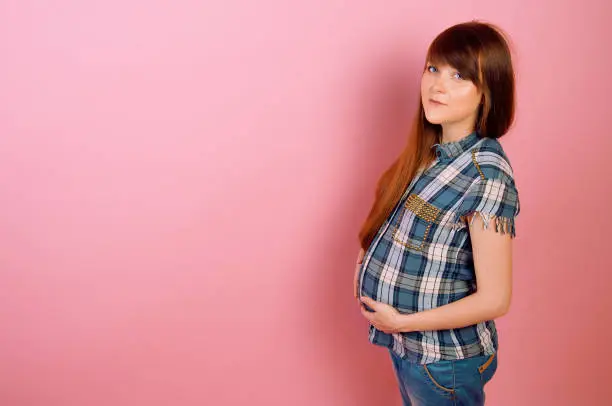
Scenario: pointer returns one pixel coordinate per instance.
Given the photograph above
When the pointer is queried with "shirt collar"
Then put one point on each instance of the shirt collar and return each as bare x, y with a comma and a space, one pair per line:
450, 150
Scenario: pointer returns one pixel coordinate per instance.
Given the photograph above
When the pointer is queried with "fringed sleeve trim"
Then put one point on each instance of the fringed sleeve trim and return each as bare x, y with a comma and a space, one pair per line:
503, 225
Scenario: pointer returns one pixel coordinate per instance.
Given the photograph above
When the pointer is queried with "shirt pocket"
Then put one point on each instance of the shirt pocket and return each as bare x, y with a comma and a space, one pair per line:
417, 223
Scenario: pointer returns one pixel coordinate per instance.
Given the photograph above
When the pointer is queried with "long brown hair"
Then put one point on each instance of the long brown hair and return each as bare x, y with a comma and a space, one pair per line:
481, 53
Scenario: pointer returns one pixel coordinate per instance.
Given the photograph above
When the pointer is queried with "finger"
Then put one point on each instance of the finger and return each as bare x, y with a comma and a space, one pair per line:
380, 328
360, 256
356, 282
368, 315
370, 302
384, 329
364, 311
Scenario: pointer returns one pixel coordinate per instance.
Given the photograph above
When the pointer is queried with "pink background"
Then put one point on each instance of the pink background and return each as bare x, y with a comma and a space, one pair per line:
181, 186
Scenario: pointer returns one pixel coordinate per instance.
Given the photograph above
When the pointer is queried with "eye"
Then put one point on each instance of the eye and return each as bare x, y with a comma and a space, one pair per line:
432, 68
457, 75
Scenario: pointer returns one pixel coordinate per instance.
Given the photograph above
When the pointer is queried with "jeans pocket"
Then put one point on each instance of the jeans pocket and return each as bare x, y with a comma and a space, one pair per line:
440, 376
487, 368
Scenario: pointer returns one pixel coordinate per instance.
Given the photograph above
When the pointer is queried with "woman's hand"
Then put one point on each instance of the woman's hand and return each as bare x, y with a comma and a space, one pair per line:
356, 276
384, 317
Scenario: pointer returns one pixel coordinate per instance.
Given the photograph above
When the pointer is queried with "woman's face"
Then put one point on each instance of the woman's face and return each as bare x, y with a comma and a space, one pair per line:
449, 99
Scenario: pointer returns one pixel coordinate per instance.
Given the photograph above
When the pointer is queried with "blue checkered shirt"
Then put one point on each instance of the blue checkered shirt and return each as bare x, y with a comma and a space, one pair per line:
421, 257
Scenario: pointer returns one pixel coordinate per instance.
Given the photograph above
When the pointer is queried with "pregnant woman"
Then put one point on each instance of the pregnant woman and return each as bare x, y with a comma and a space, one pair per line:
435, 268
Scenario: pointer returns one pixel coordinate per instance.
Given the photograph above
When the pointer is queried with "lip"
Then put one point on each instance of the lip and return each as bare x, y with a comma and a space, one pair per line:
436, 103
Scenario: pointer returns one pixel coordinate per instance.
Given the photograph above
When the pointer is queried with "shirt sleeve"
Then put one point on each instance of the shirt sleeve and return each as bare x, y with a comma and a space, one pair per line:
496, 201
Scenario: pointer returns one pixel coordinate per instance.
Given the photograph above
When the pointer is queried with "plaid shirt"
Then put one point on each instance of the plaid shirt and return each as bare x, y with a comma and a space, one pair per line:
421, 257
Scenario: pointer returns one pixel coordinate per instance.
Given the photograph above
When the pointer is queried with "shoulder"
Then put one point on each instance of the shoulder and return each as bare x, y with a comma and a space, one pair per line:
492, 191
490, 162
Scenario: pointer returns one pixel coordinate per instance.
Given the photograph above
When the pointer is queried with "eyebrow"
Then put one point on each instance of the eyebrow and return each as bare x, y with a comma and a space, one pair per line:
443, 64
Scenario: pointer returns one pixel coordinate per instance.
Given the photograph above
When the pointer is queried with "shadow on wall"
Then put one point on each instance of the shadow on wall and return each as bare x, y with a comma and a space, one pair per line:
338, 329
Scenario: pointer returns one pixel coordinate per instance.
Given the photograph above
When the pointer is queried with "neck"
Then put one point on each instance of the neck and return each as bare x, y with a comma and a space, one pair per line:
455, 132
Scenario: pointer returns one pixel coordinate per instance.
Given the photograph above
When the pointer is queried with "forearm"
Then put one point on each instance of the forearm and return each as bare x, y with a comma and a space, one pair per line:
464, 312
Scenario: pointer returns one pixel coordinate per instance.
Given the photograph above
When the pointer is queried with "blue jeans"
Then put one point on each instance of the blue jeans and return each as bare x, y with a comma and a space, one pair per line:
454, 382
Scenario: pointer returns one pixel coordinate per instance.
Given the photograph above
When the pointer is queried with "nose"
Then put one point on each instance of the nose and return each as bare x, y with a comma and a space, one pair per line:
438, 85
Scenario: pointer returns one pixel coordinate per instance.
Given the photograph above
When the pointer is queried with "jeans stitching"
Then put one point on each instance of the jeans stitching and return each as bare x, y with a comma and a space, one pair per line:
486, 365
454, 384
435, 385
398, 363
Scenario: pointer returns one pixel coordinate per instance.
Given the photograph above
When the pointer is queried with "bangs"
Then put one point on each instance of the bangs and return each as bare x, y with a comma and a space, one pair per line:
459, 49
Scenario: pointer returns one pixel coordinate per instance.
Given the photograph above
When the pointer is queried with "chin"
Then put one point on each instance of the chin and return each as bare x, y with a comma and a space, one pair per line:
436, 119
